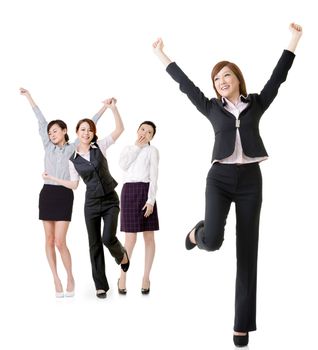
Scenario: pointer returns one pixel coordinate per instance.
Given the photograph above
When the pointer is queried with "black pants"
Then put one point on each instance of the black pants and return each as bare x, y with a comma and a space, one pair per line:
241, 184
106, 208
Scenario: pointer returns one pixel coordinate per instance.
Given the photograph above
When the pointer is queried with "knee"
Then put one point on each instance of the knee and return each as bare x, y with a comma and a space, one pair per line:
50, 242
130, 239
212, 245
109, 240
60, 244
149, 238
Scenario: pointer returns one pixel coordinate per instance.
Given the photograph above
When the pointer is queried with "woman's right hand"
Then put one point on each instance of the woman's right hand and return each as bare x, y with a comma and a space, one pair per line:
46, 176
24, 92
141, 141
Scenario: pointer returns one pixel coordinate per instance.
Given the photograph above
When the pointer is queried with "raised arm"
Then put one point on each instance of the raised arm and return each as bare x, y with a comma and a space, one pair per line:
39, 116
280, 72
119, 126
296, 33
26, 93
96, 117
158, 51
195, 95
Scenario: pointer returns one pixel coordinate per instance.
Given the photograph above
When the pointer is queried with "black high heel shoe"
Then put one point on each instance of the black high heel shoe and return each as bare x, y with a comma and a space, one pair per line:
240, 340
125, 266
101, 294
122, 291
145, 291
188, 244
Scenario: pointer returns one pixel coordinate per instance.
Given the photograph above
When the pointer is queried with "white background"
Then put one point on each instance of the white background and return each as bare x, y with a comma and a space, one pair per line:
73, 54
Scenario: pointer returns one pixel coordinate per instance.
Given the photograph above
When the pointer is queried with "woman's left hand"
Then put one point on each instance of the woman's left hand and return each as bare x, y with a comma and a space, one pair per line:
149, 209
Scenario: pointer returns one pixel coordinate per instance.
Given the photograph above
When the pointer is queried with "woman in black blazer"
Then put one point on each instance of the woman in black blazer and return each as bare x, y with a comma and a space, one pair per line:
235, 175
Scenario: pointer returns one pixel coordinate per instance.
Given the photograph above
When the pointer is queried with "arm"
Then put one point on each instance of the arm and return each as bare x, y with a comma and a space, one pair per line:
154, 161
26, 93
96, 117
66, 183
119, 126
158, 51
194, 94
128, 156
296, 31
39, 115
280, 72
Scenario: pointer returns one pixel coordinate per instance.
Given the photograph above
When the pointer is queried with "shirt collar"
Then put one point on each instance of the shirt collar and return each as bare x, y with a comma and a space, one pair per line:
76, 153
244, 99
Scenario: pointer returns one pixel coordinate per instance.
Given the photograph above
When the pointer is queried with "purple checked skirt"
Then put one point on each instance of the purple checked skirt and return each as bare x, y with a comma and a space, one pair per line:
133, 197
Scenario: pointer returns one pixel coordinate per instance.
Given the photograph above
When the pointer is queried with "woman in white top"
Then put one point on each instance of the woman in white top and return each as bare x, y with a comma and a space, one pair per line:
138, 199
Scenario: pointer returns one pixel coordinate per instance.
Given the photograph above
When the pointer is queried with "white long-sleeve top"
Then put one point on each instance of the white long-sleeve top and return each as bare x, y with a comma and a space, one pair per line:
140, 164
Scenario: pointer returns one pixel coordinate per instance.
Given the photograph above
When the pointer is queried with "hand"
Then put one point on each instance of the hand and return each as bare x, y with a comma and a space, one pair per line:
149, 209
24, 92
110, 102
157, 45
296, 30
141, 141
46, 176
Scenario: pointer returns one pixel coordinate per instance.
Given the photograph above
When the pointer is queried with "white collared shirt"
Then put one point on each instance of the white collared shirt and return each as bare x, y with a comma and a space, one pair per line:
102, 144
238, 156
140, 164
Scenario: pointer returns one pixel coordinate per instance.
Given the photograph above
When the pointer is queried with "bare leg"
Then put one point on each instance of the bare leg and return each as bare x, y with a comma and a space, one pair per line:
61, 228
130, 241
150, 248
192, 236
49, 228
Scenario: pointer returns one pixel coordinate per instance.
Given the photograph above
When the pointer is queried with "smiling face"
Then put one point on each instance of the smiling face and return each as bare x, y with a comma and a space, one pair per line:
57, 135
84, 133
228, 81
227, 84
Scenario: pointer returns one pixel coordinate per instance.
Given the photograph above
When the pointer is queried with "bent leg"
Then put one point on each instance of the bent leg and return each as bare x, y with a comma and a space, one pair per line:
217, 205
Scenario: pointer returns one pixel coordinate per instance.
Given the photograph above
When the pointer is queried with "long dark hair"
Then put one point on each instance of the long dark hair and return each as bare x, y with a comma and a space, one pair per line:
61, 124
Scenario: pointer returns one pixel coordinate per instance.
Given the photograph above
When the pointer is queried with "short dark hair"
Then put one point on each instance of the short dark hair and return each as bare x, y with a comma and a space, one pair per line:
61, 124
235, 69
92, 126
152, 124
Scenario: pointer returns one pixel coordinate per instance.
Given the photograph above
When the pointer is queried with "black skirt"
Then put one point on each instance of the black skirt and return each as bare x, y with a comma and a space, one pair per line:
55, 203
134, 196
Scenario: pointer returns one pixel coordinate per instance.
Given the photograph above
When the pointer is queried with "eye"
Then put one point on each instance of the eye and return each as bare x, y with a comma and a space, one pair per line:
216, 78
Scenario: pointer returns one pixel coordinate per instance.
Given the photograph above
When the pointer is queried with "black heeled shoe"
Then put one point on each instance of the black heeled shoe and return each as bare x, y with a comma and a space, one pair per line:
188, 244
240, 340
125, 266
145, 291
101, 294
122, 291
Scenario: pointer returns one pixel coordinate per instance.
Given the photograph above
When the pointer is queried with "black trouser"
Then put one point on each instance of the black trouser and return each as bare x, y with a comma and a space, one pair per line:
106, 208
241, 184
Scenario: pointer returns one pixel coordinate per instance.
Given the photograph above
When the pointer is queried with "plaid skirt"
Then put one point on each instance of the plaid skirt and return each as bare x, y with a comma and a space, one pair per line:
55, 203
133, 197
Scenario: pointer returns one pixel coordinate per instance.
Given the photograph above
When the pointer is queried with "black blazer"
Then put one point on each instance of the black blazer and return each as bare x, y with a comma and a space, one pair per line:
223, 122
